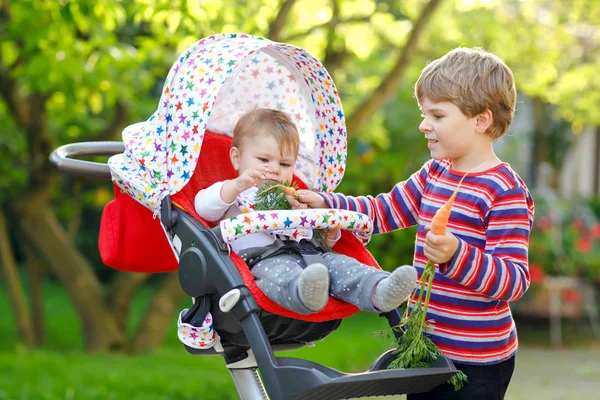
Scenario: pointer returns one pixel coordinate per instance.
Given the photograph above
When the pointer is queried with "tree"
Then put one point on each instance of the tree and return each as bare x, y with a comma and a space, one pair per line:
81, 70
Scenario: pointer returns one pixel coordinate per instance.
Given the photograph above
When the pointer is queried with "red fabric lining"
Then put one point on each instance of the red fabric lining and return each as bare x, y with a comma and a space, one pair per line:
126, 223
131, 239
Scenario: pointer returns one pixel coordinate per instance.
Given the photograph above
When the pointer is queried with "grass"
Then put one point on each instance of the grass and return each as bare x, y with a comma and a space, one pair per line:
62, 370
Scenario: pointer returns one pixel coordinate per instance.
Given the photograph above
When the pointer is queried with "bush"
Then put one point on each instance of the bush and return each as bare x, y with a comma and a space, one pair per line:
565, 240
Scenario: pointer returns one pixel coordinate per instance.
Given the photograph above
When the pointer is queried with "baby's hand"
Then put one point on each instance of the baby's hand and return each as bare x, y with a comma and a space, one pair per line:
306, 199
439, 248
248, 179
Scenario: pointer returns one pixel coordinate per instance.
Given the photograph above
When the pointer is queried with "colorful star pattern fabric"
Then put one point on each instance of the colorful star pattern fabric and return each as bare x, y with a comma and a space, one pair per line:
245, 205
197, 337
210, 86
295, 221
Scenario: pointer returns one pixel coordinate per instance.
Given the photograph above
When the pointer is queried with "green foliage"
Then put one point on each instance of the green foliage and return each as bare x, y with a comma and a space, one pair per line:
272, 196
12, 154
415, 349
551, 46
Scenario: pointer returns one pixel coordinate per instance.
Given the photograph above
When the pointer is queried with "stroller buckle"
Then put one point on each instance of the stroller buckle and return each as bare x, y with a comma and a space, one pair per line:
229, 300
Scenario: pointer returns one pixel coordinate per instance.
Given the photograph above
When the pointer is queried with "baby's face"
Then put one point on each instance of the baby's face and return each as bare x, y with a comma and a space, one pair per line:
264, 153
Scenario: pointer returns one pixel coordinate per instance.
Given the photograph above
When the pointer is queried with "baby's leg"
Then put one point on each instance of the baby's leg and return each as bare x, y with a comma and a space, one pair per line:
282, 279
368, 288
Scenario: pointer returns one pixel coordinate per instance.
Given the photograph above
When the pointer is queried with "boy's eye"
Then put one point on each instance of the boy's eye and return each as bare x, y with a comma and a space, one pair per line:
261, 159
285, 165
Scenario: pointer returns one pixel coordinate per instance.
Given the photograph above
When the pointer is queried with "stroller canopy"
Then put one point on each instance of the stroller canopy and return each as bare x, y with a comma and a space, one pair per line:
210, 86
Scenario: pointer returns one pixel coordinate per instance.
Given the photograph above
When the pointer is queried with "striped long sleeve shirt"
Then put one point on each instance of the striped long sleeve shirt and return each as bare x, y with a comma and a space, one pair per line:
492, 217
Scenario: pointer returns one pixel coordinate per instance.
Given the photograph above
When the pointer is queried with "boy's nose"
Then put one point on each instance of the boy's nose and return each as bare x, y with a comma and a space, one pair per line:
424, 127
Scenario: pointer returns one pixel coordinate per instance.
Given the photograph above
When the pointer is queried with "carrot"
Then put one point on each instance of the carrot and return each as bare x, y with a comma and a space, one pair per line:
415, 350
289, 190
439, 223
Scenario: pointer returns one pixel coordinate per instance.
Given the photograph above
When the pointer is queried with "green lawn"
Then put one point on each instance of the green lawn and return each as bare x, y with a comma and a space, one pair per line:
61, 370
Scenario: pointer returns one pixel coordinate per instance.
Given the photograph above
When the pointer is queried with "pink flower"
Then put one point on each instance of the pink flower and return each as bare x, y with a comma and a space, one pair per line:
595, 231
571, 296
584, 245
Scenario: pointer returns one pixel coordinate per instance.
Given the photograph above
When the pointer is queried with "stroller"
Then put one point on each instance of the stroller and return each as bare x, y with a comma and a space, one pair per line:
152, 226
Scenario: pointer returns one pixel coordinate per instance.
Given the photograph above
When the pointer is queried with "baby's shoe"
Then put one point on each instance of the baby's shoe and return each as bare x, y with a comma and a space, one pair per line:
313, 287
390, 292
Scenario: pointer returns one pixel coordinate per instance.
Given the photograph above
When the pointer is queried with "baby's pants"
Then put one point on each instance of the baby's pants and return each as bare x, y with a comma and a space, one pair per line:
350, 280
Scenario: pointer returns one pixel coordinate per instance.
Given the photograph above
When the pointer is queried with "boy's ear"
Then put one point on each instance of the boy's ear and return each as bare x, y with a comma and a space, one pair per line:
234, 156
484, 121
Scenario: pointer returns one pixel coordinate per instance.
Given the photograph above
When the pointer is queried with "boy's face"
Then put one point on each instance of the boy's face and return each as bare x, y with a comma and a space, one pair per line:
262, 152
450, 134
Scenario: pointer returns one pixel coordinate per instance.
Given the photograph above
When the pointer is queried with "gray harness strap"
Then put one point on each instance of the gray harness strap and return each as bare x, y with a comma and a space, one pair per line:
309, 250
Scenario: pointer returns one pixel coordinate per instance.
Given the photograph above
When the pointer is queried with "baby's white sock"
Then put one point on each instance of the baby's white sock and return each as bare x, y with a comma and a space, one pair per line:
390, 292
313, 287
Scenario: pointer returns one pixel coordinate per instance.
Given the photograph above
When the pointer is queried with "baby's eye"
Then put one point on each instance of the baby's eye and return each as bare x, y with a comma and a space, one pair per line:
438, 116
261, 159
285, 165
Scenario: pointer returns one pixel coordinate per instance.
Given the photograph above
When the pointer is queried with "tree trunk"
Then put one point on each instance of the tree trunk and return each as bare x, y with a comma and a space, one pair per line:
280, 20
122, 294
160, 315
14, 287
45, 232
35, 275
390, 83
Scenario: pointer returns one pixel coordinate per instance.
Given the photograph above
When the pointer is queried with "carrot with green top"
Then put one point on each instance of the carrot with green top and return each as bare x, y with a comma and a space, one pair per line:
416, 350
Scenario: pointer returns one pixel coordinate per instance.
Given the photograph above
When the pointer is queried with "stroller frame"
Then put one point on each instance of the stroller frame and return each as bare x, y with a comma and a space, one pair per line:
207, 274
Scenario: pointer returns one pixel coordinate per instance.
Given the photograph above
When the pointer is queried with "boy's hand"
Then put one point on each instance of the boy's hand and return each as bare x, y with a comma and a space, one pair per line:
306, 199
439, 248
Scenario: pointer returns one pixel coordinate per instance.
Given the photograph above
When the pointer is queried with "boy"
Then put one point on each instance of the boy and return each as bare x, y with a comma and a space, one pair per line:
265, 147
468, 100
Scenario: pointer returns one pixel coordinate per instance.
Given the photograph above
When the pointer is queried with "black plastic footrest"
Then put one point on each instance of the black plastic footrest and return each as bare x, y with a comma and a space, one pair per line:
374, 383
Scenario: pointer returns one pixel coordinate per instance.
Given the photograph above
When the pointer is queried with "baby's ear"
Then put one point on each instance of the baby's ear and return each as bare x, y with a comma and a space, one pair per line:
234, 156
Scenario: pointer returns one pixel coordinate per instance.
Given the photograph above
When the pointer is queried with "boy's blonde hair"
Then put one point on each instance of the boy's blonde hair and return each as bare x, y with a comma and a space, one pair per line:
474, 80
264, 121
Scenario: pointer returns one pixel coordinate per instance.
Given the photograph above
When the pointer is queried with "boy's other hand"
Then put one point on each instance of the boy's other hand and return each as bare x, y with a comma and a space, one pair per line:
306, 199
439, 248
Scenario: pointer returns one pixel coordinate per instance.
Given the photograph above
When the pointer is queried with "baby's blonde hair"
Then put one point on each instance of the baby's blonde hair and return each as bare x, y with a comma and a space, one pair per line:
474, 80
263, 122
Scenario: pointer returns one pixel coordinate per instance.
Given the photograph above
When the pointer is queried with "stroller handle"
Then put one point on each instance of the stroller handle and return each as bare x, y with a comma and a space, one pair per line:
62, 158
